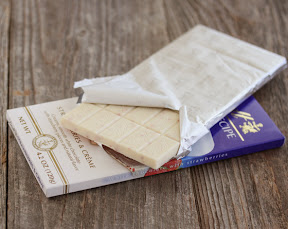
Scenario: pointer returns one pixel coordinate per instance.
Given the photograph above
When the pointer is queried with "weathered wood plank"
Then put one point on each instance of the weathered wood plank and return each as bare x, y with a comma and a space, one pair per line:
4, 47
54, 43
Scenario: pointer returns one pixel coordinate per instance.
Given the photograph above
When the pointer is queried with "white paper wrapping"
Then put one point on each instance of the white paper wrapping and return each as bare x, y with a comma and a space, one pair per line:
204, 74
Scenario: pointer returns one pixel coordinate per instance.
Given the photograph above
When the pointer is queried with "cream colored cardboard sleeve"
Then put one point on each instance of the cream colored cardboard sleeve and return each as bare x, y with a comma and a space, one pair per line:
62, 161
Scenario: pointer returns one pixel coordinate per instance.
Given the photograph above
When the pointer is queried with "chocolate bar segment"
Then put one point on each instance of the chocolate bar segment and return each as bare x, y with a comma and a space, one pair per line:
150, 136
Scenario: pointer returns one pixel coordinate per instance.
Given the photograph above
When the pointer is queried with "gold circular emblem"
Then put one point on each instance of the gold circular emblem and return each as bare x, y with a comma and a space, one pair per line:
45, 142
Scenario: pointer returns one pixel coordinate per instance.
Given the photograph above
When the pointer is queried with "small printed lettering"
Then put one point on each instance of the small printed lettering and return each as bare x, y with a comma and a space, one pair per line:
88, 158
76, 137
227, 129
61, 110
205, 159
46, 168
24, 124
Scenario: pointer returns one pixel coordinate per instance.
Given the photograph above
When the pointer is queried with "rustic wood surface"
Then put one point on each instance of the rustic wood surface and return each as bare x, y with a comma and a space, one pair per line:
47, 45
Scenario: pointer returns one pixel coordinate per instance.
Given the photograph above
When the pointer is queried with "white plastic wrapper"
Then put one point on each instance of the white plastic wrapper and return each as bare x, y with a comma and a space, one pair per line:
204, 74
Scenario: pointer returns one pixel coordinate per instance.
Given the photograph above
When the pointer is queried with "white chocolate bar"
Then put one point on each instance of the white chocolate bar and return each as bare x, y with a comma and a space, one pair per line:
148, 135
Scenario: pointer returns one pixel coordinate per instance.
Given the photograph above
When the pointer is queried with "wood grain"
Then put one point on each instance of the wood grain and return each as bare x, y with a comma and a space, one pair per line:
4, 47
54, 43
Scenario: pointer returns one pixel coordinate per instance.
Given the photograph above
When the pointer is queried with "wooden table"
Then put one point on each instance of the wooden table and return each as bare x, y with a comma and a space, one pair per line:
47, 45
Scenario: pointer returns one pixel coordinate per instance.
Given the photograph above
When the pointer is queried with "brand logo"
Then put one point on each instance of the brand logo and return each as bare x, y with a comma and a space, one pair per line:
250, 125
45, 142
